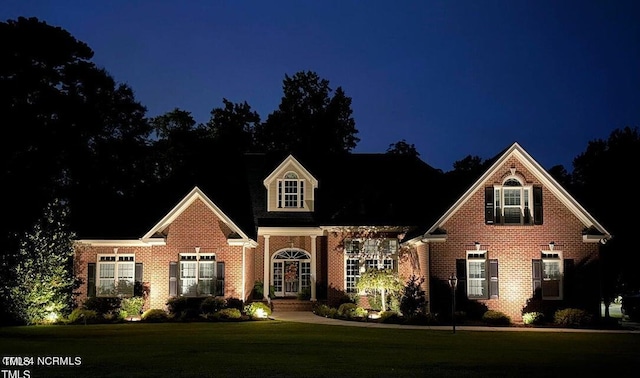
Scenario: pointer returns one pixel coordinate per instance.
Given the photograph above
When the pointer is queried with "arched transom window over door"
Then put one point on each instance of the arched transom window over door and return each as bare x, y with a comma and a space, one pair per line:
291, 272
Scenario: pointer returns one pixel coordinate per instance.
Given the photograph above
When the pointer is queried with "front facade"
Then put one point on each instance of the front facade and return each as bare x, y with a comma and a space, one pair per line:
514, 239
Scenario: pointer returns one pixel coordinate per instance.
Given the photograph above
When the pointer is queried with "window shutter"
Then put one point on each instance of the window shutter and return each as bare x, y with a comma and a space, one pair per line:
488, 205
173, 279
91, 280
536, 274
537, 205
461, 274
220, 279
301, 194
137, 287
493, 278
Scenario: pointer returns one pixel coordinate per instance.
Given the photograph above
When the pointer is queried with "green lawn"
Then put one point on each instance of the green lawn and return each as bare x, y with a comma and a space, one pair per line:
280, 349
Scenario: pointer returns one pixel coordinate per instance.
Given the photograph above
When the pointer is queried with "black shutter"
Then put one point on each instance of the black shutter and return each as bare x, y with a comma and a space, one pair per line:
537, 205
536, 274
173, 279
461, 274
493, 278
489, 213
91, 280
568, 280
137, 287
220, 279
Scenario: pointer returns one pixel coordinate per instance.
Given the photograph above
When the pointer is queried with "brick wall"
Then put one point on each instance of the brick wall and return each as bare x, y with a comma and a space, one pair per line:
513, 246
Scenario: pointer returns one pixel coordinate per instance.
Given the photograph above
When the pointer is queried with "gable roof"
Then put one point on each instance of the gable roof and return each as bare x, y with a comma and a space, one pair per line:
515, 150
178, 209
290, 161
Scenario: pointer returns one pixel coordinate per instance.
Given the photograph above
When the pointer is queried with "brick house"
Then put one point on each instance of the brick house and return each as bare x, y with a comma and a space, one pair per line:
310, 225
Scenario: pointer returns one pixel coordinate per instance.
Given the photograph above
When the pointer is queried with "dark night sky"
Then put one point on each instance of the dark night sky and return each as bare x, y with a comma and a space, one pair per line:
455, 78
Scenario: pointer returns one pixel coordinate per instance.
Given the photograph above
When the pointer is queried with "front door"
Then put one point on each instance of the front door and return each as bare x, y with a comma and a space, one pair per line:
291, 272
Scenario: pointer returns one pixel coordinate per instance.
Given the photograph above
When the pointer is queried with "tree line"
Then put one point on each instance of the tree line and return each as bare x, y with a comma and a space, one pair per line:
71, 131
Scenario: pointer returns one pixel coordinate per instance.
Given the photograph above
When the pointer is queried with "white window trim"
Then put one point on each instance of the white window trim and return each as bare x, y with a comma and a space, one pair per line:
526, 199
553, 256
118, 260
484, 259
281, 194
387, 259
199, 257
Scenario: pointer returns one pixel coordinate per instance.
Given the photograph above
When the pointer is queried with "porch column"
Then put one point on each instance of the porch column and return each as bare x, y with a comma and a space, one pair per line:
266, 286
313, 268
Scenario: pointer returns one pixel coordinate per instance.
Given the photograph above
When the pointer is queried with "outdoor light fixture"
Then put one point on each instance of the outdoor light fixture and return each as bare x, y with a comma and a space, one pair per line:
551, 245
453, 282
401, 236
477, 244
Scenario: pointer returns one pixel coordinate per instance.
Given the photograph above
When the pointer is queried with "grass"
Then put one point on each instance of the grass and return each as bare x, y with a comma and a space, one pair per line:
282, 349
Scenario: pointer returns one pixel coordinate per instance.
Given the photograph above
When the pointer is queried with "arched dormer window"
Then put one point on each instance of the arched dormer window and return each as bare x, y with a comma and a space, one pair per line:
512, 202
290, 191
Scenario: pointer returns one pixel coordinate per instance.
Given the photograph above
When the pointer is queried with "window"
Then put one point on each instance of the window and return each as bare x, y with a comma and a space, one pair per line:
547, 275
367, 254
115, 275
477, 275
510, 203
291, 191
197, 274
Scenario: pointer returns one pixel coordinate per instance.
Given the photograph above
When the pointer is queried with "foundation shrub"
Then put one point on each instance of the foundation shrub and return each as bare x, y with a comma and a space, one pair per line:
236, 303
390, 317
533, 318
83, 316
131, 307
325, 311
252, 309
212, 304
103, 306
227, 314
154, 315
572, 317
496, 318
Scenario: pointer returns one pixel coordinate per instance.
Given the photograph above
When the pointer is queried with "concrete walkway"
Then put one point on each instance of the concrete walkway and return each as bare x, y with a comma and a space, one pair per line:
309, 317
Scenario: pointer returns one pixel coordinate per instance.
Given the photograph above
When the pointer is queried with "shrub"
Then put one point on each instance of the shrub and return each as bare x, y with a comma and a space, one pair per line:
212, 304
253, 309
185, 308
572, 317
103, 305
422, 319
258, 290
413, 300
154, 315
325, 311
496, 318
82, 316
131, 306
227, 314
390, 317
305, 294
235, 303
533, 318
346, 309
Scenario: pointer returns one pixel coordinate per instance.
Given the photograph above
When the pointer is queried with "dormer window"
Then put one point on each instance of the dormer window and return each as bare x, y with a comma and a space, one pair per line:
290, 191
511, 203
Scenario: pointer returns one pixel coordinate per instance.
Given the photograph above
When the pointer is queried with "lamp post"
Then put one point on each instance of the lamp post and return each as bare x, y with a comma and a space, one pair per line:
453, 282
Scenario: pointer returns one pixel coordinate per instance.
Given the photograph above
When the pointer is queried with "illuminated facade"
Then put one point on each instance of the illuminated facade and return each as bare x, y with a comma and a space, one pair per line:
310, 226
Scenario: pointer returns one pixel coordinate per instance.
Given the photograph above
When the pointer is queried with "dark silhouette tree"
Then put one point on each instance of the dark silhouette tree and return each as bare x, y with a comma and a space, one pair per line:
403, 148
596, 174
309, 119
70, 130
232, 127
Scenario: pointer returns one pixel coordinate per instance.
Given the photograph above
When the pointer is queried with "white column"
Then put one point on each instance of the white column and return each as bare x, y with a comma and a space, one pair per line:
267, 265
313, 268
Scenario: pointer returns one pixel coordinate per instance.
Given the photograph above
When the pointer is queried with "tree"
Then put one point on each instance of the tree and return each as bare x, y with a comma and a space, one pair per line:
383, 281
232, 126
43, 277
403, 148
309, 119
70, 130
414, 300
179, 142
595, 175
